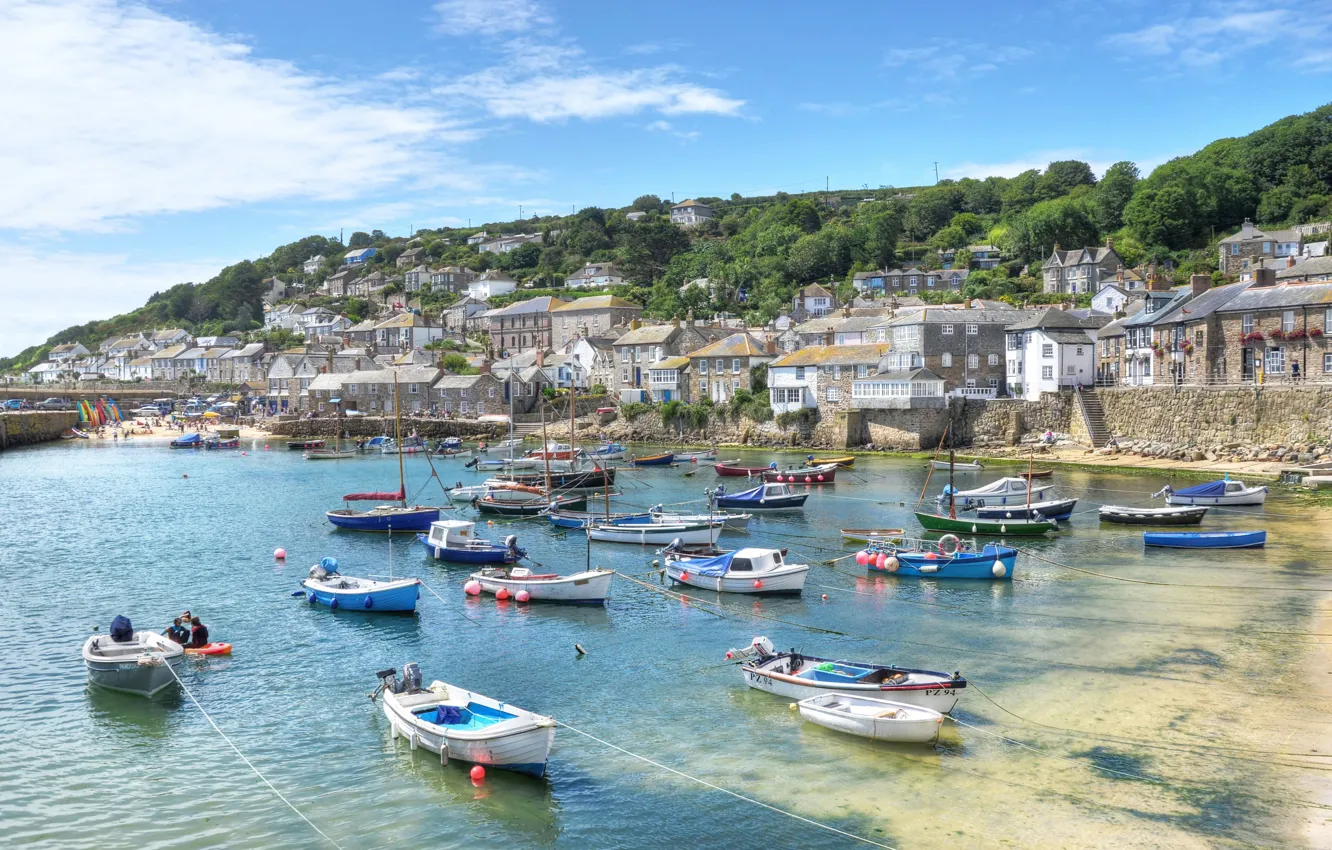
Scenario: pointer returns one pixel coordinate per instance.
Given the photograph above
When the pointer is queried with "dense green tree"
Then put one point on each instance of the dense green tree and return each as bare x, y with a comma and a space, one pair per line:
1113, 194
1019, 193
648, 247
359, 239
1069, 222
1060, 178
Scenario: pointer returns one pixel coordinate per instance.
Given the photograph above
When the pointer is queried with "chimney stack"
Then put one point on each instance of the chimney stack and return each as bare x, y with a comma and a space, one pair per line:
1200, 283
1246, 229
540, 357
770, 346
1264, 277
484, 368
1110, 243
1290, 262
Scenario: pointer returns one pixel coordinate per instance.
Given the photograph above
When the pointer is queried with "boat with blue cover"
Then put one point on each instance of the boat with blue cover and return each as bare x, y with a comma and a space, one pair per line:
768, 496
1223, 492
949, 558
748, 570
459, 724
455, 540
1205, 539
326, 586
607, 451
188, 441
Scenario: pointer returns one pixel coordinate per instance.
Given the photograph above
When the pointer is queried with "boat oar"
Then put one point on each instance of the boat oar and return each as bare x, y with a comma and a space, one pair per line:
835, 560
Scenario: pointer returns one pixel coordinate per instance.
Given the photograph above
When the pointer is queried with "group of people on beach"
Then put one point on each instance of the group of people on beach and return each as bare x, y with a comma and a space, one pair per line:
187, 631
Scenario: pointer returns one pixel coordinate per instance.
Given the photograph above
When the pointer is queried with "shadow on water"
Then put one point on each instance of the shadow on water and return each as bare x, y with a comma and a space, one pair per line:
132, 715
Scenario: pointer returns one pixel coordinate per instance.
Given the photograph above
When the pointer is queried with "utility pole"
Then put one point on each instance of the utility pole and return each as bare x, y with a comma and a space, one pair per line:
520, 211
825, 183
936, 172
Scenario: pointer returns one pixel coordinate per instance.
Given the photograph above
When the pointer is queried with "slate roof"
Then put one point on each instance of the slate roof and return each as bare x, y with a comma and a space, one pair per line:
1067, 336
1048, 319
833, 355
457, 382
649, 335
1308, 268
595, 302
670, 363
1202, 306
736, 345
1281, 296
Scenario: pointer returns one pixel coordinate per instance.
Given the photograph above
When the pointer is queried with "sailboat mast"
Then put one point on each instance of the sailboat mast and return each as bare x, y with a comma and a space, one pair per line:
397, 436
1030, 459
545, 447
952, 503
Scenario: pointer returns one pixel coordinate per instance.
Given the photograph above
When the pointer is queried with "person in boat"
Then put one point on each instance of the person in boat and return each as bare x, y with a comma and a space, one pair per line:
177, 632
198, 634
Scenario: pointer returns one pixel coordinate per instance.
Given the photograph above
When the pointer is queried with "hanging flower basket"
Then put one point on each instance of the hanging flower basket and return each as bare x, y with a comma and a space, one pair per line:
1277, 335
1315, 333
1296, 334
1187, 348
1254, 337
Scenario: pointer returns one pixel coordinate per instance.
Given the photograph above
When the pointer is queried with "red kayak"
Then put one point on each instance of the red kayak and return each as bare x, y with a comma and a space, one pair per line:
808, 475
726, 470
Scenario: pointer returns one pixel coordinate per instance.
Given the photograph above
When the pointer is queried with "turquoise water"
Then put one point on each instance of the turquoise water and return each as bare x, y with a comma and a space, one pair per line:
1205, 692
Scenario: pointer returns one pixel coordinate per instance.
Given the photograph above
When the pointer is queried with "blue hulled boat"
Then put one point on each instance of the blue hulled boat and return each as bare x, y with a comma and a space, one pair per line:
923, 559
188, 441
664, 459
326, 586
765, 497
580, 519
1205, 539
454, 540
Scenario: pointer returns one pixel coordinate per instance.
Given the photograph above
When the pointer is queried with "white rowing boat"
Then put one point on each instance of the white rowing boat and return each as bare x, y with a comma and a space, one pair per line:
460, 724
588, 587
877, 719
133, 662
659, 533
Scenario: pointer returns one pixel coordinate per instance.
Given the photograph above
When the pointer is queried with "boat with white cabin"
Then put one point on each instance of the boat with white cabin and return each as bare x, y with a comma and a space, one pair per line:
1005, 491
657, 532
140, 663
1223, 492
749, 570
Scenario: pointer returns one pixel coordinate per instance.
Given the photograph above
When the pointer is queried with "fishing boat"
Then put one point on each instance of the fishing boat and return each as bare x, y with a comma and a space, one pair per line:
1205, 539
869, 535
950, 557
330, 454
553, 451
695, 457
960, 466
607, 451
452, 443
663, 459
302, 445
988, 527
455, 540
877, 719
1005, 491
187, 441
1037, 473
1152, 516
459, 724
510, 442
590, 587
765, 497
512, 464
733, 522
593, 479
581, 519
140, 663
825, 474
748, 570
731, 469
326, 586
390, 518
216, 442
1060, 509
798, 676
656, 532
509, 507
844, 461
496, 487
1223, 492
410, 446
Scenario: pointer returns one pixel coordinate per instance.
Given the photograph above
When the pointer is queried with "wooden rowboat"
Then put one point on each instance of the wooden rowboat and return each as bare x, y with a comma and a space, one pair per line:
1037, 473
845, 462
865, 535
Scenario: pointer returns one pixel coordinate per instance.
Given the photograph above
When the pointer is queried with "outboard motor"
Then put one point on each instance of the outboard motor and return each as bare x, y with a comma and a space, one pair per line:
122, 630
317, 573
674, 546
656, 509
511, 542
763, 647
411, 677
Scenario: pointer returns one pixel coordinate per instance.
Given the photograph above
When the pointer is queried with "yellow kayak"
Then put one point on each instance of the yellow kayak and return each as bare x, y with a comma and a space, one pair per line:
844, 462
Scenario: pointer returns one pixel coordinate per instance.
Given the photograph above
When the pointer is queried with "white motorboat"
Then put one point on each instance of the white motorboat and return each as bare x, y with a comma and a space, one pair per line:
588, 587
459, 724
877, 719
798, 676
1005, 491
509, 443
742, 571
513, 464
509, 490
1223, 492
656, 532
733, 522
959, 466
139, 663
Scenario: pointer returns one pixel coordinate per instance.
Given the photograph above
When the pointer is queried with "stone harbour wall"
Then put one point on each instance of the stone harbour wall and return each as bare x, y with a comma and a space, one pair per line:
373, 426
34, 426
1204, 417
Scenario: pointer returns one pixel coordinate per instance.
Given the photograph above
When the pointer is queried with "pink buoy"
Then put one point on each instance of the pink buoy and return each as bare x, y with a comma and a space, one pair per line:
523, 596
729, 656
472, 588
862, 558
758, 584
243, 454
502, 594
265, 448
280, 554
881, 560
693, 459
478, 773
807, 479
820, 476
684, 576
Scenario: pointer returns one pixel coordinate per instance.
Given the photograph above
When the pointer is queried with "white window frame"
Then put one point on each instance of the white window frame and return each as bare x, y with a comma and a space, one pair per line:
1287, 320
993, 360
946, 360
946, 330
973, 330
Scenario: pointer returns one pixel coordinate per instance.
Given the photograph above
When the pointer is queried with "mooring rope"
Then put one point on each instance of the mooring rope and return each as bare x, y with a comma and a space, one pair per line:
442, 599
727, 791
249, 763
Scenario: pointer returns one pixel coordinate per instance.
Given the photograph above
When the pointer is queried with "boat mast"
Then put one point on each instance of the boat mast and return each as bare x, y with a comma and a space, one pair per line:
930, 472
1030, 459
397, 437
545, 447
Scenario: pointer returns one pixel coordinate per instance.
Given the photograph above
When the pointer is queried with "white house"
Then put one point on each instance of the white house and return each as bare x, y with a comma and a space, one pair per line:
331, 327
68, 351
1110, 299
505, 244
491, 284
285, 316
690, 213
1053, 351
595, 275
477, 238
636, 215
312, 265
815, 300
814, 375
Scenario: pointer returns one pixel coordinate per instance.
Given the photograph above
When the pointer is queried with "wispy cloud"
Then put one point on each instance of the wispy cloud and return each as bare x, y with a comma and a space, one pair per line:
648, 48
668, 127
490, 17
1203, 40
116, 111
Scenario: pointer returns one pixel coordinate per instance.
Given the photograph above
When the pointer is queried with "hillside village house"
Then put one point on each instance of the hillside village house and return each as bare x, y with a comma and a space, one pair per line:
964, 348
358, 256
275, 289
982, 256
1142, 362
416, 279
1262, 331
478, 238
820, 376
505, 244
454, 279
405, 332
594, 363
170, 336
1310, 269
68, 351
312, 265
490, 284
164, 363
668, 379
457, 313
243, 365
690, 213
910, 281
1080, 270
469, 395
285, 316
594, 276
371, 391
335, 285
1252, 243
1052, 351
813, 301
218, 341
1181, 332
593, 316
522, 325
722, 369
411, 257
326, 329
140, 369
892, 390
211, 359
361, 334
640, 348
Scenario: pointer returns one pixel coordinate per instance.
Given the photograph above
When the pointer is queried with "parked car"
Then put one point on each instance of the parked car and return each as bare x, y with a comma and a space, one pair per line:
147, 410
18, 404
54, 404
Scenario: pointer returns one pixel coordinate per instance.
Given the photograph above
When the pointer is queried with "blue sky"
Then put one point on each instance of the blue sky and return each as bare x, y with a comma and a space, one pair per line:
150, 143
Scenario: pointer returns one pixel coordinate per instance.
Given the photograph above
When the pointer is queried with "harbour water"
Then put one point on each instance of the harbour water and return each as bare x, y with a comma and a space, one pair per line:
1152, 709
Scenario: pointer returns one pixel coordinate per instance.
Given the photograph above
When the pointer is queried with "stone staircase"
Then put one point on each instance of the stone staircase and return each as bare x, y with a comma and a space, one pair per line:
1093, 416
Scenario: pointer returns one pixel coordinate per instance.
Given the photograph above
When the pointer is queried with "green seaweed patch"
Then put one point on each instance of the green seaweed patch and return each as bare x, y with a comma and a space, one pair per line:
1118, 765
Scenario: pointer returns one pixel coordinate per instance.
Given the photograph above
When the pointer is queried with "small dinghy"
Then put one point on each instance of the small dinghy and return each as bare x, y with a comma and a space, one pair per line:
1223, 492
798, 676
331, 454
188, 441
844, 461
455, 540
870, 535
747, 570
730, 469
1005, 491
824, 474
591, 587
212, 648
326, 586
663, 459
1152, 516
607, 451
581, 519
1037, 473
990, 527
877, 719
949, 558
1053, 509
1205, 539
140, 663
695, 457
459, 724
732, 522
656, 532
502, 505
960, 466
765, 497
302, 445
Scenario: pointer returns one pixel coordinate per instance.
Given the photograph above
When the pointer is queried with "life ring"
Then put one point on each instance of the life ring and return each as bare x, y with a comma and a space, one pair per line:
957, 545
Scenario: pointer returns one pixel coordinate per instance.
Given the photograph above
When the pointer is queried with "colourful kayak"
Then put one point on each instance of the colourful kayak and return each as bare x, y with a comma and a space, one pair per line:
209, 649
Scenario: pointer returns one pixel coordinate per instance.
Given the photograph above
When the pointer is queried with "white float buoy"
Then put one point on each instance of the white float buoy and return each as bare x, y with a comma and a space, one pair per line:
999, 570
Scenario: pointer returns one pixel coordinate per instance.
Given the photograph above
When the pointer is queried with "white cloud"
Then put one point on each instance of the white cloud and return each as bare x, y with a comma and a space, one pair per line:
78, 288
668, 127
114, 111
648, 48
1217, 30
465, 17
904, 55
